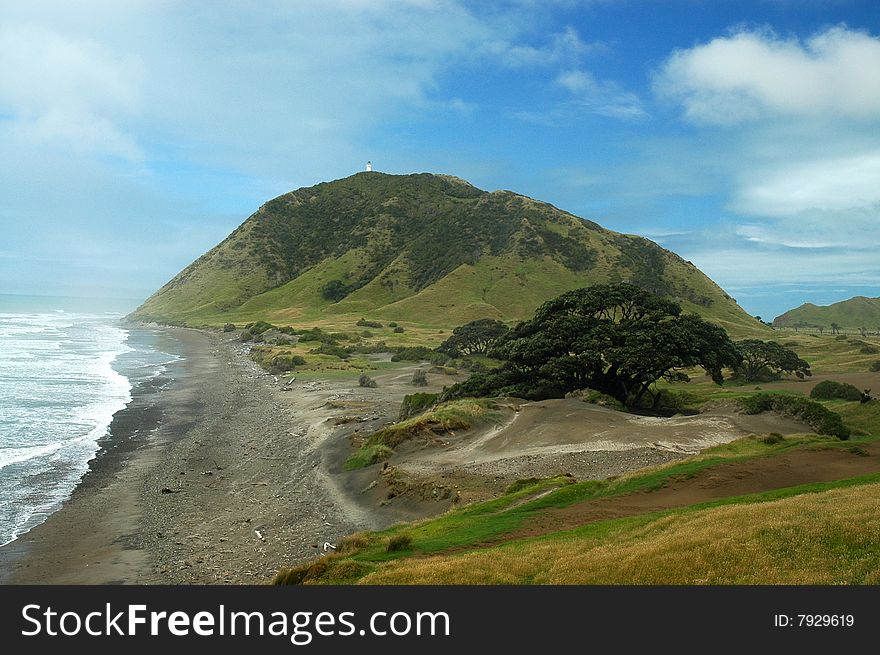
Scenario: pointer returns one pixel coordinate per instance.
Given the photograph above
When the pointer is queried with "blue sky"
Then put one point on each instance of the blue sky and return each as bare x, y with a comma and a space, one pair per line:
745, 136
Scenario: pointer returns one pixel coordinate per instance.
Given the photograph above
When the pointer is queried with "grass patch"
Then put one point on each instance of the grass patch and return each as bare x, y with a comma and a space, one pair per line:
367, 456
818, 534
448, 418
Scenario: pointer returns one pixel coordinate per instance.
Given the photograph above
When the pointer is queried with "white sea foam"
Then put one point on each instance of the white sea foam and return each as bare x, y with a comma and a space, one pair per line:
61, 382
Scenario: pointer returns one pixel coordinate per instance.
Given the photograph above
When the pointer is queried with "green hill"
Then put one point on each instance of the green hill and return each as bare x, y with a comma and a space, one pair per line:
855, 313
431, 250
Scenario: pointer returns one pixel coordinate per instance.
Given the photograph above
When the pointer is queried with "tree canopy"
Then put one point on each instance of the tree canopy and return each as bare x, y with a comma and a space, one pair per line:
617, 339
767, 360
474, 338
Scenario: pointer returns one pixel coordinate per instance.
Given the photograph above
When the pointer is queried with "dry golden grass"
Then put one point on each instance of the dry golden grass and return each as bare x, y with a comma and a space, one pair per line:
824, 538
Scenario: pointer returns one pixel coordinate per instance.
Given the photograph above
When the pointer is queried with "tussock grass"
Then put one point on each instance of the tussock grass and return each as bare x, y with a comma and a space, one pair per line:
444, 419
367, 455
830, 537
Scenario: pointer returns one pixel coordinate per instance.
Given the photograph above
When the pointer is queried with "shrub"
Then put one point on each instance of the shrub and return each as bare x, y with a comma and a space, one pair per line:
440, 359
366, 348
841, 337
869, 350
814, 414
335, 290
419, 379
398, 330
366, 381
316, 334
415, 403
330, 349
365, 323
772, 438
414, 354
282, 363
875, 366
830, 390
259, 327
229, 327
392, 324
399, 542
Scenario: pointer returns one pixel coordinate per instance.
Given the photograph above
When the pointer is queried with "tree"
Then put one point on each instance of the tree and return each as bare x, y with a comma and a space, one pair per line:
835, 328
767, 360
335, 290
617, 339
474, 338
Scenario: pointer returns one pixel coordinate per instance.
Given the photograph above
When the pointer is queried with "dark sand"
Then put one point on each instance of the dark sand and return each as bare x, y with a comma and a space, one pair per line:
245, 496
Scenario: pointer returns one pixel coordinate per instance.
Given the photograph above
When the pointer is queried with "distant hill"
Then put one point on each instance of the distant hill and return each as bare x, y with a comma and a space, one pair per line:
858, 312
429, 249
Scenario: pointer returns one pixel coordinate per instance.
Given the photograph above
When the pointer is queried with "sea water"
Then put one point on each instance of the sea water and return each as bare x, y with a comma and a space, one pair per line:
63, 375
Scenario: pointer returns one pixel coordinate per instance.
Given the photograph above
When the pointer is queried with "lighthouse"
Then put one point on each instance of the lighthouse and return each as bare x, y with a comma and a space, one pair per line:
369, 167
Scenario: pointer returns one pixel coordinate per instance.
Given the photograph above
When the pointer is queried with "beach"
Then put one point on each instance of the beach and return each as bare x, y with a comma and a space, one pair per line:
209, 480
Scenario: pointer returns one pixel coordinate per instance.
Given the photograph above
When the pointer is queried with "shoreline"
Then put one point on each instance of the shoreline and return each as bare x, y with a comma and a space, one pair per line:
214, 478
84, 539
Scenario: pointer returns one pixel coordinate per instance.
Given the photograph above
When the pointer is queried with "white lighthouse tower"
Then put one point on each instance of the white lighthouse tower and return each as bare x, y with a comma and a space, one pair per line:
369, 167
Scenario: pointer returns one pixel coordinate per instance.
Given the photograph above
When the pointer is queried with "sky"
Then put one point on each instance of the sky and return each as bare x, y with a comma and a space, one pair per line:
745, 136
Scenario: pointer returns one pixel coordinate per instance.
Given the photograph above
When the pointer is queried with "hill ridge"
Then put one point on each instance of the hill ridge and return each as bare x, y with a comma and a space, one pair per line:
427, 248
856, 312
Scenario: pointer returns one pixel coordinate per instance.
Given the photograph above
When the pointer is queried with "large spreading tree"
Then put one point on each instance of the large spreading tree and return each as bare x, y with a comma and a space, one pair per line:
617, 339
768, 360
474, 338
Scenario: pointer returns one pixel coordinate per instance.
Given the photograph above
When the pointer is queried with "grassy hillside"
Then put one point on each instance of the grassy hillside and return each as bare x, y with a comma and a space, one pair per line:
431, 250
855, 313
556, 531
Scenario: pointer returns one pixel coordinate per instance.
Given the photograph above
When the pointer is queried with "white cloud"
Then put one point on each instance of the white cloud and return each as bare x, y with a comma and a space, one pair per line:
603, 97
564, 47
839, 183
70, 91
755, 74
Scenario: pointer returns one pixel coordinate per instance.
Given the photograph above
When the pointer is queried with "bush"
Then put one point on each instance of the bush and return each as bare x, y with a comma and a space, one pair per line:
399, 542
875, 367
229, 327
416, 403
817, 416
259, 327
283, 363
366, 381
365, 323
392, 324
398, 330
419, 379
772, 439
335, 290
330, 349
830, 390
316, 334
440, 359
414, 354
869, 350
367, 348
841, 337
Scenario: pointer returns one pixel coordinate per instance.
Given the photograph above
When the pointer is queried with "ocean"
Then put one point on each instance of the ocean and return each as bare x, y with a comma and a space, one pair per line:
64, 373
